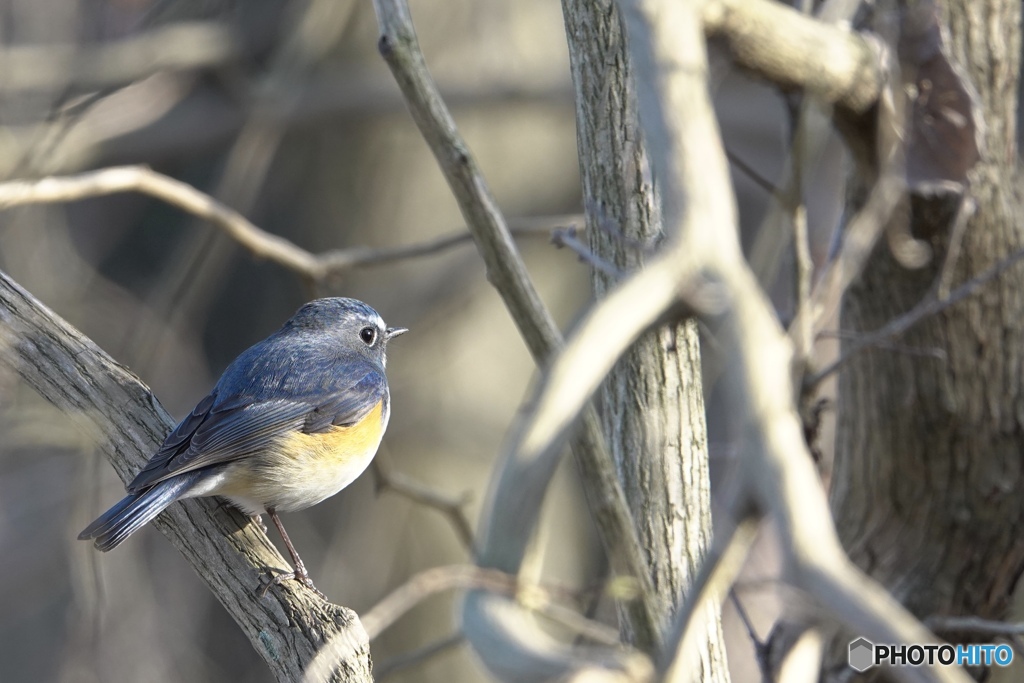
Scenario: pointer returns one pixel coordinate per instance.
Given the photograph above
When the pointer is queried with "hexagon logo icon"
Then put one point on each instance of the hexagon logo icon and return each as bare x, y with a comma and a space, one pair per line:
862, 655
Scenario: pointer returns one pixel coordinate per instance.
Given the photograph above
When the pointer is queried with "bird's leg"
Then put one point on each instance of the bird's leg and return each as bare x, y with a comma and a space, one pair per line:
300, 574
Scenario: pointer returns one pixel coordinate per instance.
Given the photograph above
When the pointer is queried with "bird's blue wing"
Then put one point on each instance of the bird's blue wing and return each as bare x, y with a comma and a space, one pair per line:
225, 428
348, 407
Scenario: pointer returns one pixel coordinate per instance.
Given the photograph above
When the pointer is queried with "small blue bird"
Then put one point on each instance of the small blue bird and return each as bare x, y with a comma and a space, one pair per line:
292, 421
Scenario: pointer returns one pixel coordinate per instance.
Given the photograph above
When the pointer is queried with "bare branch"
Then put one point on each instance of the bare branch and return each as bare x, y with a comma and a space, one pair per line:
259, 243
290, 625
565, 238
449, 506
186, 45
141, 179
793, 50
931, 305
543, 599
506, 271
752, 173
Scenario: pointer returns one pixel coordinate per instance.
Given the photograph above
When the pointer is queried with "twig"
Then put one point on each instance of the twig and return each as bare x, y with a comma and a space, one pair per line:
858, 238
449, 506
956, 238
1013, 632
931, 305
804, 276
563, 238
760, 647
406, 660
259, 243
752, 173
459, 576
508, 275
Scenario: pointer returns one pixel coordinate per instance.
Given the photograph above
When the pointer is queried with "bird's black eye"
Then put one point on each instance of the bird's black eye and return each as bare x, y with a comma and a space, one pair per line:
368, 335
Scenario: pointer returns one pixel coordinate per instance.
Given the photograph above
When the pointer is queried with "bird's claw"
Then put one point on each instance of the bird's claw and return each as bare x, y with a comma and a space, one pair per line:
279, 578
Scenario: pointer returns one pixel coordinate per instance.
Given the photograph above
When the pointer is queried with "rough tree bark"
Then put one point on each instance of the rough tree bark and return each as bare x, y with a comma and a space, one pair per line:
651, 403
928, 465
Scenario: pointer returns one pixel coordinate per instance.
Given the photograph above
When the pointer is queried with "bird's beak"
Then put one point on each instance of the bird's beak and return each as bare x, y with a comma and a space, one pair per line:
393, 332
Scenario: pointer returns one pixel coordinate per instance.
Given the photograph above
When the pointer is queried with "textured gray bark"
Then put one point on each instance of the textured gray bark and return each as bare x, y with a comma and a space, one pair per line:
929, 468
652, 404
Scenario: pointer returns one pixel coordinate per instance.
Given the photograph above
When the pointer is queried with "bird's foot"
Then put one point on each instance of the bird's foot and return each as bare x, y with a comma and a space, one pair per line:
278, 576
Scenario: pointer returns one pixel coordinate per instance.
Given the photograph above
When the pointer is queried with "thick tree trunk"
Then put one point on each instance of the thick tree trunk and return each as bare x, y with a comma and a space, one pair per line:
652, 404
928, 469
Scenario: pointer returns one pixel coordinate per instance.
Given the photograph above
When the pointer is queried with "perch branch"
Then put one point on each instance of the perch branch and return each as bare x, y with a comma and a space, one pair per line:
290, 625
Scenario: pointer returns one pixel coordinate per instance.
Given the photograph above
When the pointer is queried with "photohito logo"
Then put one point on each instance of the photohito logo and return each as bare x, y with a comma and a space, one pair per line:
864, 654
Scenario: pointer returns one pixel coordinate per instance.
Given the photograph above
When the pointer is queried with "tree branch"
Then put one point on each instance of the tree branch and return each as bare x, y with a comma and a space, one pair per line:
931, 305
232, 556
185, 45
779, 478
793, 50
261, 244
449, 506
508, 275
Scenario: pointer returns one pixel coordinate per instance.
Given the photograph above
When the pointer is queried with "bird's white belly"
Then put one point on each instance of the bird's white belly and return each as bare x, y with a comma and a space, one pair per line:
302, 470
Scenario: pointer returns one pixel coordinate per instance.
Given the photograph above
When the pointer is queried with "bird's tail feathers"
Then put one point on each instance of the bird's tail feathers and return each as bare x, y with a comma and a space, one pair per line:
134, 511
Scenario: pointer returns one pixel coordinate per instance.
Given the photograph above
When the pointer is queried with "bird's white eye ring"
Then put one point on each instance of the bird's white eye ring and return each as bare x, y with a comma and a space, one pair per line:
368, 335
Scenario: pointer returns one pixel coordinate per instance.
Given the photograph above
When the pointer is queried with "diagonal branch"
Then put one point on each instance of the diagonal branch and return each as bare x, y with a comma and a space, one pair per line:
506, 271
261, 244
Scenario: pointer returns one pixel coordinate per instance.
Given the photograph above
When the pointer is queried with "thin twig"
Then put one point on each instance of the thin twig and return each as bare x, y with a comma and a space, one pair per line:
956, 238
752, 173
741, 611
565, 238
258, 242
931, 305
761, 647
459, 576
1011, 631
450, 506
